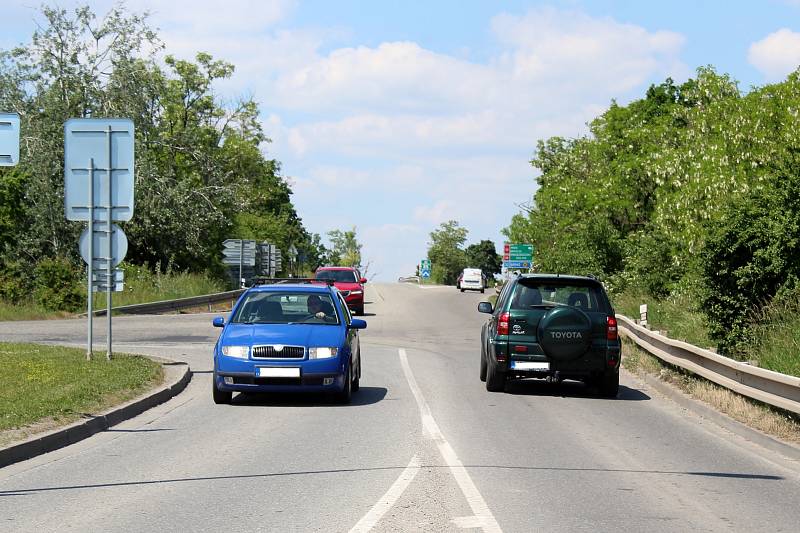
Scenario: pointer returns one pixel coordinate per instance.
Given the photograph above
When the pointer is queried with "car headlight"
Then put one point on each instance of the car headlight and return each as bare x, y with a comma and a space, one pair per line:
241, 352
322, 352
356, 292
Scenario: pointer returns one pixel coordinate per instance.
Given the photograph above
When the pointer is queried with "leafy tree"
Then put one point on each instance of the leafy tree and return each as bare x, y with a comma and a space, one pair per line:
484, 256
446, 253
345, 248
201, 175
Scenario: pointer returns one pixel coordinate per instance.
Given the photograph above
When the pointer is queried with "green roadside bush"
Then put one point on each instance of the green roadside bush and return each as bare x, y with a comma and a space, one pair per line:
57, 285
751, 255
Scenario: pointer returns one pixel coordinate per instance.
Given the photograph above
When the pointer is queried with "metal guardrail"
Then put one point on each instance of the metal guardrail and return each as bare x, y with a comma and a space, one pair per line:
773, 388
409, 279
165, 306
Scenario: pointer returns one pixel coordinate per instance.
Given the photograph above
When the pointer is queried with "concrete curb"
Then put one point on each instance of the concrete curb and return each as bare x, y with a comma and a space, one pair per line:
788, 450
83, 429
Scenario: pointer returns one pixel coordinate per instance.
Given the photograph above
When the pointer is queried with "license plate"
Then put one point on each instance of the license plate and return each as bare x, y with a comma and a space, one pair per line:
275, 372
530, 365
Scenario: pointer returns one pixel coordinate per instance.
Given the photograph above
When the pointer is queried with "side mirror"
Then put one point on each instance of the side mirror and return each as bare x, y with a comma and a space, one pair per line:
218, 322
485, 307
357, 323
362, 281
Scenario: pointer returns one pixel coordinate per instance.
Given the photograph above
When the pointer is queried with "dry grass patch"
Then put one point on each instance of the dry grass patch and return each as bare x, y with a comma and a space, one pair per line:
754, 414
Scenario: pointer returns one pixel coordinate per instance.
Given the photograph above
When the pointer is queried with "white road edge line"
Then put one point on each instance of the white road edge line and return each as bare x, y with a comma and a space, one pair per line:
389, 499
476, 502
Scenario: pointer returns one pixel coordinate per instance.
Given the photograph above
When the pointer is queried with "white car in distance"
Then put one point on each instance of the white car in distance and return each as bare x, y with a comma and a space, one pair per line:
471, 279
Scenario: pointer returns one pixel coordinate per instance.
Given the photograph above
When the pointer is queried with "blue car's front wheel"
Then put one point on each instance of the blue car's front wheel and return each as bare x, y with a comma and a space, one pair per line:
220, 396
347, 391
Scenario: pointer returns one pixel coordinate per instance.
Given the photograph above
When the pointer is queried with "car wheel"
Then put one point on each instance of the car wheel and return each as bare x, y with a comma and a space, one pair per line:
483, 365
220, 396
495, 379
359, 311
346, 394
357, 380
609, 385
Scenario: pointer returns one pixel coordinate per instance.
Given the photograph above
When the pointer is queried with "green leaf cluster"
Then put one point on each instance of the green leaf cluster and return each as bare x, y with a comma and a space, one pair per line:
686, 192
201, 171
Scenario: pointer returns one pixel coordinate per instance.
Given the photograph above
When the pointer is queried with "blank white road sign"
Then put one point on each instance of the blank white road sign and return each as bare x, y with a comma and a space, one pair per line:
105, 143
9, 139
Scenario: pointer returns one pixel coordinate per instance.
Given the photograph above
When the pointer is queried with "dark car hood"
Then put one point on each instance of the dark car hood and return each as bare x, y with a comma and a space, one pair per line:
286, 334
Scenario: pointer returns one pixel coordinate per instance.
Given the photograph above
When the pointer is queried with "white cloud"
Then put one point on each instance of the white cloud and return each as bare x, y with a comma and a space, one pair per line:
777, 54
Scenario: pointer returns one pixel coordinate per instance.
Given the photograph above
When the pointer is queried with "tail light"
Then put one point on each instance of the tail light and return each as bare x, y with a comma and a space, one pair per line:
611, 329
502, 324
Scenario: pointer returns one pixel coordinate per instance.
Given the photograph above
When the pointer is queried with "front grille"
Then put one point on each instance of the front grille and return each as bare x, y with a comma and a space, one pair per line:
286, 352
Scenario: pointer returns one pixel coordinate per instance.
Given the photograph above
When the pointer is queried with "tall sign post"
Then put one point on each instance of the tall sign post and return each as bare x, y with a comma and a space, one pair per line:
98, 189
241, 254
9, 139
425, 268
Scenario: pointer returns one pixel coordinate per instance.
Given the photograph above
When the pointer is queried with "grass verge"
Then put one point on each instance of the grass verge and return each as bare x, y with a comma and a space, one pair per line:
144, 286
749, 412
51, 386
678, 318
27, 311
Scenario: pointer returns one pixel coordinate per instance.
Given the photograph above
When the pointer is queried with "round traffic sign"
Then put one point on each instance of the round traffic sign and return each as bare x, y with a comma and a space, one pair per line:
119, 244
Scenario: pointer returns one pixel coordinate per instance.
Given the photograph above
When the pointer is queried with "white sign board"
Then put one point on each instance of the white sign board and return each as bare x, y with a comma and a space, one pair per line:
100, 147
9, 139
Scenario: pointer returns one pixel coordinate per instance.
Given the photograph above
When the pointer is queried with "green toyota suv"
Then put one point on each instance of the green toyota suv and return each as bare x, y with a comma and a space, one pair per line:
551, 326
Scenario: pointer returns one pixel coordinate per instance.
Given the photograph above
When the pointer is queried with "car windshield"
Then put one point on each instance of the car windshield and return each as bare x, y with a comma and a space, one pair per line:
345, 276
286, 308
531, 294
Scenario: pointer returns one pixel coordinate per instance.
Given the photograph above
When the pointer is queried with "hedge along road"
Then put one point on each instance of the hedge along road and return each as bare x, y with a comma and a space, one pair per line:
422, 447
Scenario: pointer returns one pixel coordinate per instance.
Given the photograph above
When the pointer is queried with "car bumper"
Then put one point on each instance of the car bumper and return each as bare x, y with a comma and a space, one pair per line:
315, 375
354, 300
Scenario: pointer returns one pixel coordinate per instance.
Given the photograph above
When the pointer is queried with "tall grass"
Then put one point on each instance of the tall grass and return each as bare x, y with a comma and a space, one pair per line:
143, 285
679, 317
777, 336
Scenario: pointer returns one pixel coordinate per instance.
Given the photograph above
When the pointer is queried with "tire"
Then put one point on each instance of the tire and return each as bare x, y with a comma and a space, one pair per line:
495, 379
359, 311
346, 394
483, 365
357, 381
609, 385
221, 397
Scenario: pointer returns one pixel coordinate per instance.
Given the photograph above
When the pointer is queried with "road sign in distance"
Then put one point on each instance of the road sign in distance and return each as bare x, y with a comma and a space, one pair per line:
87, 140
517, 264
9, 139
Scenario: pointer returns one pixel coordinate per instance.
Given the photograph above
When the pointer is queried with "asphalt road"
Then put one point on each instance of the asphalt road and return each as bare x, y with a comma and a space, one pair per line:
423, 447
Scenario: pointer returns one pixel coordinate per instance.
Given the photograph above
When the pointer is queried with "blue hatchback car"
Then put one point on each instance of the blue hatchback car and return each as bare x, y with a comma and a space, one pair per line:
288, 335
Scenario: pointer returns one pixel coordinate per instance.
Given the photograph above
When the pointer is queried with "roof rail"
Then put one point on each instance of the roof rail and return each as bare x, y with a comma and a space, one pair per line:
275, 281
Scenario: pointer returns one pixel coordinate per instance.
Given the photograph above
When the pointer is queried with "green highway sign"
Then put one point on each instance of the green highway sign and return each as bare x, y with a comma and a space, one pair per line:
518, 252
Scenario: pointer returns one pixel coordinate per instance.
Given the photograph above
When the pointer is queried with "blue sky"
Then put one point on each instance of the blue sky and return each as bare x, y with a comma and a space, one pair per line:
394, 116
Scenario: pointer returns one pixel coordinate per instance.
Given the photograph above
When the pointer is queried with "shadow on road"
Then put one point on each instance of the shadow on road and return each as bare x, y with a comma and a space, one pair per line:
365, 396
123, 484
572, 389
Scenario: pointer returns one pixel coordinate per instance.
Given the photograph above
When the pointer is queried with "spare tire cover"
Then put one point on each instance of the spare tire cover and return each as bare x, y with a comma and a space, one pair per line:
565, 333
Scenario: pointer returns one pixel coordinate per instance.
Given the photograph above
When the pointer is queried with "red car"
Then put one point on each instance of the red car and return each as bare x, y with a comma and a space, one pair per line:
349, 282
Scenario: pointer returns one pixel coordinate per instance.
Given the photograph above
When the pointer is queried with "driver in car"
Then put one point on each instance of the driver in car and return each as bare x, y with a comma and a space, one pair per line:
314, 305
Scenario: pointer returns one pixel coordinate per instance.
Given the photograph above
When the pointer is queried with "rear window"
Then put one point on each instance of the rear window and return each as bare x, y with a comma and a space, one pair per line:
532, 294
343, 276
